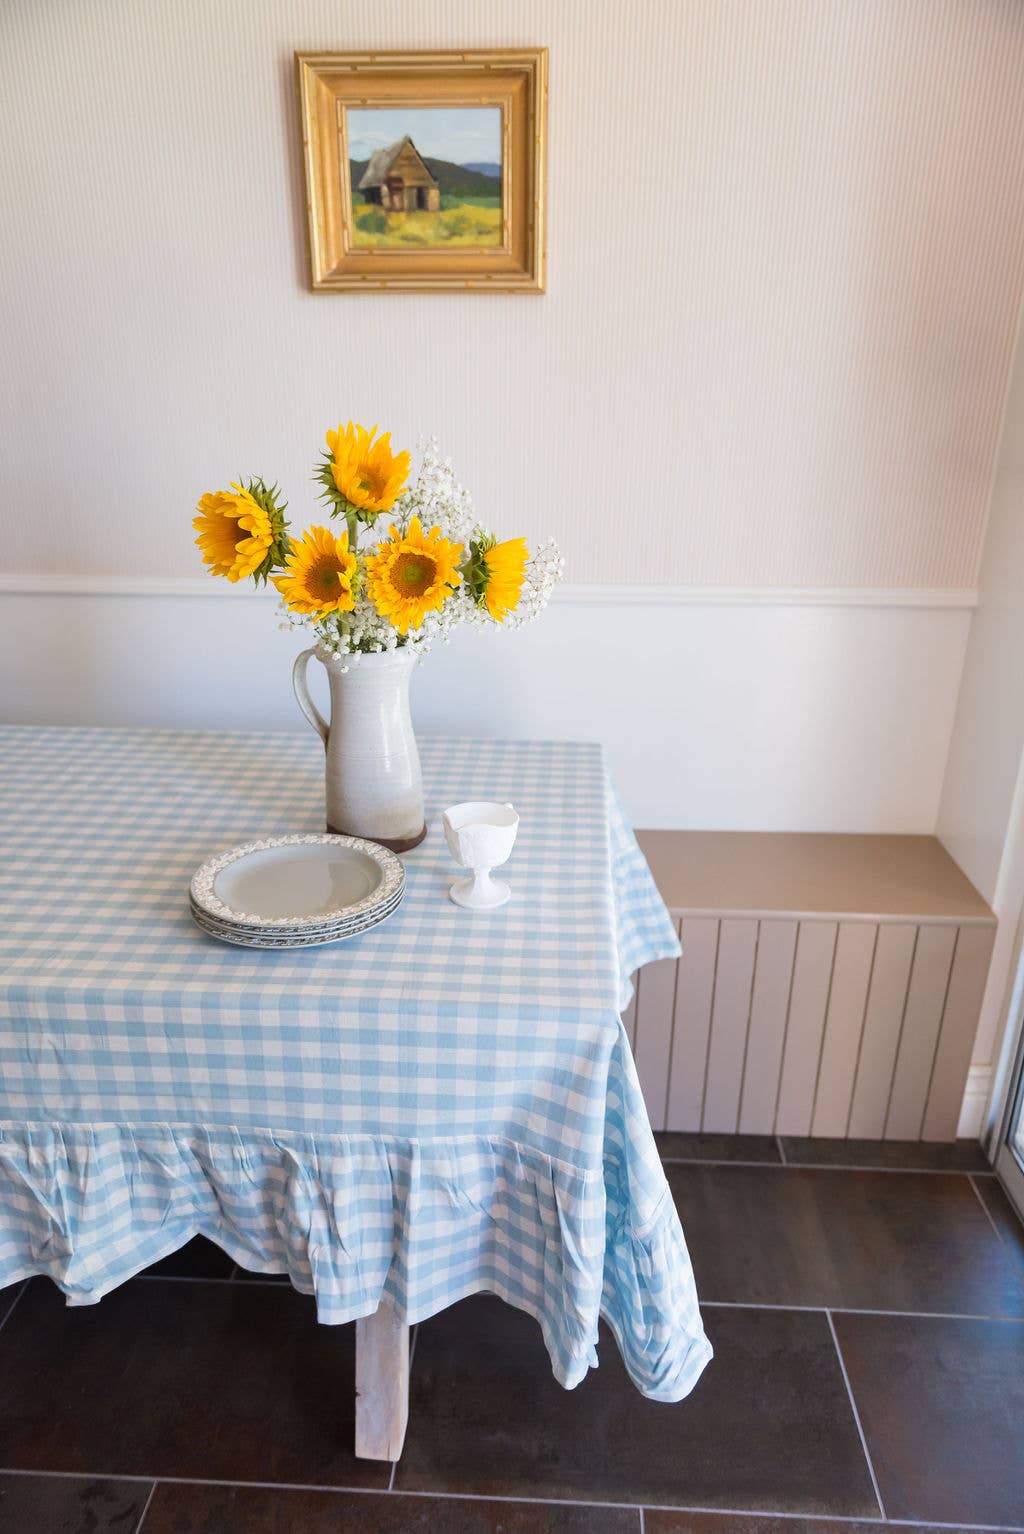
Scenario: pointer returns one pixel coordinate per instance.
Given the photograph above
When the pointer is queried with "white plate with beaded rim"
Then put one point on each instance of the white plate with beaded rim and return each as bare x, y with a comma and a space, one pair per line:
272, 930
296, 883
286, 931
278, 944
309, 939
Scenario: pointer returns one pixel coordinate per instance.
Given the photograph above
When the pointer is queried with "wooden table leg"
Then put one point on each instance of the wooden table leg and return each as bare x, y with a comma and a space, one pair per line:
382, 1384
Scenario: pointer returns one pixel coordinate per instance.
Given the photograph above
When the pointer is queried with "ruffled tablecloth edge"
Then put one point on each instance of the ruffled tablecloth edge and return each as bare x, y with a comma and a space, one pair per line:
581, 1268
684, 1378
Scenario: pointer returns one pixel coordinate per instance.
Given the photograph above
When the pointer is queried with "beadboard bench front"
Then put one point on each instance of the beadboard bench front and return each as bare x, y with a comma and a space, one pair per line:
829, 985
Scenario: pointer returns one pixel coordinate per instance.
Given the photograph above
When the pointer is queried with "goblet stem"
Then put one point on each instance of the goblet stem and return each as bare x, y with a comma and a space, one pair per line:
483, 889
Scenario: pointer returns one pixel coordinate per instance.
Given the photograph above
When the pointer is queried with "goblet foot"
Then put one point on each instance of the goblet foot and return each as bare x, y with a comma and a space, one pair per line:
481, 893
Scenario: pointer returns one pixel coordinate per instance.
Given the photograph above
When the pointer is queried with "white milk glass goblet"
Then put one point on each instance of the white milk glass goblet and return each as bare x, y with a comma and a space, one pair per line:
480, 835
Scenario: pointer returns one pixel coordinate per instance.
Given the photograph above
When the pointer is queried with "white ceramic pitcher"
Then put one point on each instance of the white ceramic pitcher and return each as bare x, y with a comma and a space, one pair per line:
374, 787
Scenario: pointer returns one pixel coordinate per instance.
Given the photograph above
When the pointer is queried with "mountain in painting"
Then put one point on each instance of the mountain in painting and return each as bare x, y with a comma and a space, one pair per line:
453, 179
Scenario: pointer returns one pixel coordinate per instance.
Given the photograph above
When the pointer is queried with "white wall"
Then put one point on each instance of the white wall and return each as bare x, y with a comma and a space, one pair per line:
988, 740
981, 818
786, 247
740, 715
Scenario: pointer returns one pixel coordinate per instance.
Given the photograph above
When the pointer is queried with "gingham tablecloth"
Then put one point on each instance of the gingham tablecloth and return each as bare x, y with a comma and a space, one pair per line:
444, 1105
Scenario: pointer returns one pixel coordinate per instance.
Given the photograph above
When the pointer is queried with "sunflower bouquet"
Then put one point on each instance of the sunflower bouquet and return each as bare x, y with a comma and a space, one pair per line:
365, 588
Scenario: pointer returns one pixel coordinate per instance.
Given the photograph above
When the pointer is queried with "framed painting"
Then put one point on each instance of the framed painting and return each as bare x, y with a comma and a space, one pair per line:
425, 170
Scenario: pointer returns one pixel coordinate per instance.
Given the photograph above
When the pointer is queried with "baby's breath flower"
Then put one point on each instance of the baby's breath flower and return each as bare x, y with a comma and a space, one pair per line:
437, 499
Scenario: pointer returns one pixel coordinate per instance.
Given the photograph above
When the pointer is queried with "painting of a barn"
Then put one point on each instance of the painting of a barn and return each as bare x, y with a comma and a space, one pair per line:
424, 178
397, 179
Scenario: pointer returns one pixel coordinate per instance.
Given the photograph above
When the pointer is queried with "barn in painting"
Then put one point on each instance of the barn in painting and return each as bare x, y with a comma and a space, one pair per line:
398, 180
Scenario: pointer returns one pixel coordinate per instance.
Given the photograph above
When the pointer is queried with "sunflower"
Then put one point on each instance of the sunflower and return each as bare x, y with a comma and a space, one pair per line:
495, 574
320, 571
412, 575
236, 533
363, 473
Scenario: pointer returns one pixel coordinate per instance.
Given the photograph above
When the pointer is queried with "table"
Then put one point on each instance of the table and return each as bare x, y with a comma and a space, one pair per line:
445, 1105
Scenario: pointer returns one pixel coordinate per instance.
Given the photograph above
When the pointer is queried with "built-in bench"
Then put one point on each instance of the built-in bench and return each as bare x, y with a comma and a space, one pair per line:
829, 985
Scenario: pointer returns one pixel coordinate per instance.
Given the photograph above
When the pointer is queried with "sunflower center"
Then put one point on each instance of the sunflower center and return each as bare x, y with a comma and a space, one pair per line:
413, 574
372, 480
323, 578
235, 531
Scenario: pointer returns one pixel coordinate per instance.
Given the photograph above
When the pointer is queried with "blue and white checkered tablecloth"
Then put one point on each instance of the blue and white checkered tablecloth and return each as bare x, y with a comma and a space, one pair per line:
444, 1105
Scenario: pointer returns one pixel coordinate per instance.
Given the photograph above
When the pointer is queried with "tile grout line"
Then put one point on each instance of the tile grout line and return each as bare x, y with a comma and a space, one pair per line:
412, 1355
860, 1310
145, 1510
827, 1166
643, 1524
1011, 1255
851, 1310
987, 1211
463, 1496
856, 1519
339, 1490
847, 1310
856, 1415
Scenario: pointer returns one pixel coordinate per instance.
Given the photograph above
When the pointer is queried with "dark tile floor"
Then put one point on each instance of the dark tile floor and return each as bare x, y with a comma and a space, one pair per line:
866, 1304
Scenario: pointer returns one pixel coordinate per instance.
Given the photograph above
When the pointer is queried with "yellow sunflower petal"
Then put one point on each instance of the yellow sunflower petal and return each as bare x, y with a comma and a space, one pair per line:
366, 472
412, 575
319, 575
234, 532
505, 565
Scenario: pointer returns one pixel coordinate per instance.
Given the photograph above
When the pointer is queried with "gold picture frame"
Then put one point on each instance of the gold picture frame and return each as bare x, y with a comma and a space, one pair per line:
386, 212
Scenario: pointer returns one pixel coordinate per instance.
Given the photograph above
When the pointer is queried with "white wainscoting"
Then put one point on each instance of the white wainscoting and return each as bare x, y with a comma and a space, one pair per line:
772, 710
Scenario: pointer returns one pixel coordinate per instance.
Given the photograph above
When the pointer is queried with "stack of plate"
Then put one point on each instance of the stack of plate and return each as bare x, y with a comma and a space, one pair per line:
296, 891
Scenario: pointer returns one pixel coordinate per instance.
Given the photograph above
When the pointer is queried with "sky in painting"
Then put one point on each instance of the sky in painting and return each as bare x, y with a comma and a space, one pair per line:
463, 135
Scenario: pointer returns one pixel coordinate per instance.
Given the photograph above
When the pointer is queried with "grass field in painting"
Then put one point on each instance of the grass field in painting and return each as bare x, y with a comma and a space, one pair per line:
464, 221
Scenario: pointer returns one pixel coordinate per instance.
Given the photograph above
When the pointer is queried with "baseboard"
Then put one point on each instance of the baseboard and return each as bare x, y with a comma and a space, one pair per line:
976, 1095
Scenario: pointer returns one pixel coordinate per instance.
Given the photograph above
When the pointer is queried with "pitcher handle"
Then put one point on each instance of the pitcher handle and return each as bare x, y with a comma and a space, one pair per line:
302, 697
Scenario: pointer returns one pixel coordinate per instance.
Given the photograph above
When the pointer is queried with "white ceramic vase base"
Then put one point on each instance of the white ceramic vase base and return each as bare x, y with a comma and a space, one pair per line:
480, 893
372, 777
392, 843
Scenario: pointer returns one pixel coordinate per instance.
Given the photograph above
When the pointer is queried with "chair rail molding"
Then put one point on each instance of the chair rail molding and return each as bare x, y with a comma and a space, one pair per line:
70, 585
